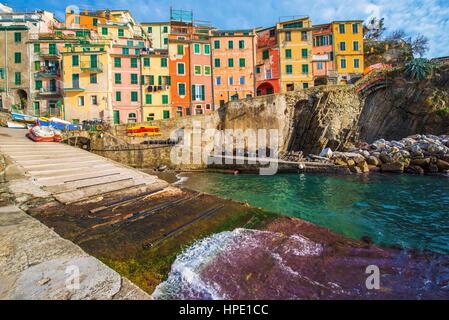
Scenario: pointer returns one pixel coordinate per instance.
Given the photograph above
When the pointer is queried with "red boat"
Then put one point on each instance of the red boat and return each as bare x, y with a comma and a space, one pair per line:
44, 134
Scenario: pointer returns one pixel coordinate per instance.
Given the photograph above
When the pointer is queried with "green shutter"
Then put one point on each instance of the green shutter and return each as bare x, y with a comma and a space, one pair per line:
168, 80
305, 68
242, 62
118, 78
75, 61
17, 37
121, 32
118, 96
37, 48
242, 44
159, 80
165, 99
117, 62
38, 84
134, 96
207, 49
148, 99
37, 65
146, 62
93, 78
52, 48
197, 48
288, 53
152, 80
230, 62
166, 114
266, 54
134, 79
304, 53
164, 62
193, 92
217, 44
230, 44
180, 49
104, 31
217, 63
181, 69
17, 78
17, 57
289, 69
133, 62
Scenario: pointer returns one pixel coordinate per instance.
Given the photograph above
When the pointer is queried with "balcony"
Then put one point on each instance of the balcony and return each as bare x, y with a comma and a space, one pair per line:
91, 66
50, 54
49, 92
320, 57
48, 73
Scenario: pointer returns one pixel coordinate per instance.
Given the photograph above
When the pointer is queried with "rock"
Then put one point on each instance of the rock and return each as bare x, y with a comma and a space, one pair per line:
432, 168
326, 153
395, 167
420, 162
363, 166
442, 165
385, 158
340, 162
372, 160
356, 170
395, 150
414, 170
351, 163
374, 169
162, 168
365, 154
397, 144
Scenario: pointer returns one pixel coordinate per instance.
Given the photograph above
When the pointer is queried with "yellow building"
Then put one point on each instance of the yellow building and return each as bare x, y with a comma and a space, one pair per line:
158, 33
348, 49
156, 84
295, 44
86, 82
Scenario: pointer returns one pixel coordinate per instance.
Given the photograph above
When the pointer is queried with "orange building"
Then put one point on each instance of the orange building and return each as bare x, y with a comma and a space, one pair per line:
233, 63
85, 19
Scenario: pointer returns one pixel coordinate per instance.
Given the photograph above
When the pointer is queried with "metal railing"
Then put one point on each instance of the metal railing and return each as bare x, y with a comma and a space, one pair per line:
89, 65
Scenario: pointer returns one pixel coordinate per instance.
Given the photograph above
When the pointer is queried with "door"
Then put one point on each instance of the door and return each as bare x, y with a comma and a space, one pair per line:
116, 117
37, 108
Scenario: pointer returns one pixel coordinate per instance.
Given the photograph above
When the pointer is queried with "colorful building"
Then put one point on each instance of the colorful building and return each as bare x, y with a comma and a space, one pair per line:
158, 34
348, 49
156, 84
324, 71
233, 61
295, 44
267, 62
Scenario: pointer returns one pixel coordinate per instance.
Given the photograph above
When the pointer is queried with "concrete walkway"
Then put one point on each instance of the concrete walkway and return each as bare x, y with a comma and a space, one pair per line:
35, 262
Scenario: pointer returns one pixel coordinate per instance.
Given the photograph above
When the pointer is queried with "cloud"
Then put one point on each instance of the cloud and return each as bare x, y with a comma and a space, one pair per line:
427, 17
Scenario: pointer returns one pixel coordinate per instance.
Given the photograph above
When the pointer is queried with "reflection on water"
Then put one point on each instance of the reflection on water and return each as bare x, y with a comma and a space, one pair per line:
409, 211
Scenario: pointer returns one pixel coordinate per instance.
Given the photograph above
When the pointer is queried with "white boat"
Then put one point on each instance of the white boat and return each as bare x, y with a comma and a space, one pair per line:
16, 125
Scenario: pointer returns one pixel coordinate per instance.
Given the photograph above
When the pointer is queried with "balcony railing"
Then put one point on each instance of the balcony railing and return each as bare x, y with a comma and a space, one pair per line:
49, 91
50, 54
91, 66
48, 73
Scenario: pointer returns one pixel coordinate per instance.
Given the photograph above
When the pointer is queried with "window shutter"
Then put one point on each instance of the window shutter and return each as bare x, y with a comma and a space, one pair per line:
152, 80
194, 91
203, 94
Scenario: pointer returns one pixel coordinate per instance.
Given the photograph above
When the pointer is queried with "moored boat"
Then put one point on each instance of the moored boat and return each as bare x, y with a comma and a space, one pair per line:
44, 134
16, 125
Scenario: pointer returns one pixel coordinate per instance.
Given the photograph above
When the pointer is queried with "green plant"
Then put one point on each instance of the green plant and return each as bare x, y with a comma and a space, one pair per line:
420, 68
438, 101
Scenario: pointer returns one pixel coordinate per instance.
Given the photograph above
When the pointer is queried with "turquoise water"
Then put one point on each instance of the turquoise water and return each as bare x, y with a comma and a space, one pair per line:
410, 211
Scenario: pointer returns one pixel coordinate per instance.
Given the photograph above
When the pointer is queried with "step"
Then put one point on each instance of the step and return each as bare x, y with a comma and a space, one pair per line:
86, 183
70, 171
58, 164
53, 181
66, 159
77, 195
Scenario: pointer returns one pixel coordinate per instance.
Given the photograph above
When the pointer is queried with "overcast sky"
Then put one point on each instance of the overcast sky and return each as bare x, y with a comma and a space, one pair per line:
428, 17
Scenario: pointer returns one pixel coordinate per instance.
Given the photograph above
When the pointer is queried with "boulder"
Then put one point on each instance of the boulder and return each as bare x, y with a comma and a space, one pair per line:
326, 153
414, 170
372, 160
385, 158
432, 168
395, 167
340, 162
363, 166
442, 165
351, 163
420, 162
356, 170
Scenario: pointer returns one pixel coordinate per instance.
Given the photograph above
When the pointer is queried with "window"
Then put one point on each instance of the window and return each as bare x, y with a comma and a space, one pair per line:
231, 81
332, 56
230, 62
290, 86
94, 100
218, 80
117, 62
235, 97
197, 70
355, 46
17, 57
198, 92
133, 62
118, 96
164, 99
266, 54
207, 49
38, 84
137, 52
37, 48
165, 29
356, 63
148, 99
121, 32
305, 69
268, 74
217, 63
134, 78
272, 33
165, 114
75, 61
150, 29
217, 44
37, 65
52, 48
125, 51
242, 80
180, 68
17, 37
355, 28
95, 22
230, 44
342, 28
2, 73
93, 78
132, 117
304, 36
257, 69
81, 101
118, 78
196, 48
180, 49
343, 63
207, 70
150, 117
104, 31
181, 89
305, 85
77, 19
164, 63
134, 96
289, 69
242, 62
17, 78
343, 46
165, 40
242, 44
146, 62
320, 66
288, 36
288, 53
305, 53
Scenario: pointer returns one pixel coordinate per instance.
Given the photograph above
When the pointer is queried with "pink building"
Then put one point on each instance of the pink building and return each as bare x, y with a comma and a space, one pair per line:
323, 54
126, 89
201, 77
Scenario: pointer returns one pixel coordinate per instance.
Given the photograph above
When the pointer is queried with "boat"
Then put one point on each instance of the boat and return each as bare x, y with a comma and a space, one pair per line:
44, 134
23, 117
16, 125
141, 131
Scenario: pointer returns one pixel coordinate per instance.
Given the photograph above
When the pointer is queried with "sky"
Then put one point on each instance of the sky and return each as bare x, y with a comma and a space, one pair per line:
427, 17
